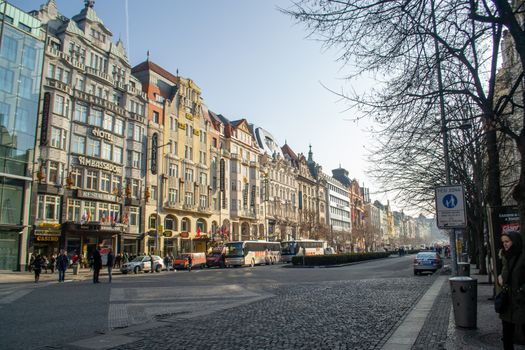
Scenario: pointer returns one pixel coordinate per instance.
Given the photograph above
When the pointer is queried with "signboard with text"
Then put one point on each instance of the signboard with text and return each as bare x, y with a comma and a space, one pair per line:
450, 207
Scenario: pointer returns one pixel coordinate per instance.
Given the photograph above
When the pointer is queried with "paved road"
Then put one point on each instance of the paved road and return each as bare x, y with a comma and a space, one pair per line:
351, 307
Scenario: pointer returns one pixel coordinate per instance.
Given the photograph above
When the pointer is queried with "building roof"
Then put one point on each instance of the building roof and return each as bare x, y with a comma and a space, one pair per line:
149, 65
288, 151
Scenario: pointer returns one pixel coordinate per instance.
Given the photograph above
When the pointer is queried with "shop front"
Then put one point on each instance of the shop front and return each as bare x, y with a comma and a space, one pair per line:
9, 248
85, 238
45, 239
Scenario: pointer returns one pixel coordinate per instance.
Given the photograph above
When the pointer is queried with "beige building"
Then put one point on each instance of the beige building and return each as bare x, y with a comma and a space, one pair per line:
179, 210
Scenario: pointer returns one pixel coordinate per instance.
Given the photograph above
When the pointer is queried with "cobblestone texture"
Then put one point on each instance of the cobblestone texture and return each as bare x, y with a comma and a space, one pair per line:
335, 315
433, 334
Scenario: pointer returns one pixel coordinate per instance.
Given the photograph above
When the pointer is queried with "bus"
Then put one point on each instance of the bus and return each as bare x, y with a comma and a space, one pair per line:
289, 249
241, 253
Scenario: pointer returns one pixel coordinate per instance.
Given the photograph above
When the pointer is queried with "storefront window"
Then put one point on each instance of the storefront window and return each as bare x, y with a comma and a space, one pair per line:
11, 199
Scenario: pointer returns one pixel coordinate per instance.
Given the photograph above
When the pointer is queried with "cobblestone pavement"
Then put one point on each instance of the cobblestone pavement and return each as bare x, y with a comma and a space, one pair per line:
433, 335
335, 315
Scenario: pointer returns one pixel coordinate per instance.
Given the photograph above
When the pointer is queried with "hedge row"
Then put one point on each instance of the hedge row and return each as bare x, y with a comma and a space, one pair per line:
336, 259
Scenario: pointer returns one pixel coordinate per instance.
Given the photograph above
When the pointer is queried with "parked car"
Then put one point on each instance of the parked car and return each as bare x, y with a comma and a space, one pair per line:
427, 261
181, 262
143, 263
216, 257
329, 250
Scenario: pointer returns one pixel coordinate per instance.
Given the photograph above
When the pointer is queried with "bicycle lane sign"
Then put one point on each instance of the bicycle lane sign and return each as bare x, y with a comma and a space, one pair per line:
450, 207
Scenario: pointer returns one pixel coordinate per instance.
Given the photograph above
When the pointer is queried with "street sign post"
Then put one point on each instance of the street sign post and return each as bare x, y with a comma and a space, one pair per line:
450, 207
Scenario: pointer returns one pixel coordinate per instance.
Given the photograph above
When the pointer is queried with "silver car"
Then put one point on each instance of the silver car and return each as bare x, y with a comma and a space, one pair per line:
427, 261
143, 263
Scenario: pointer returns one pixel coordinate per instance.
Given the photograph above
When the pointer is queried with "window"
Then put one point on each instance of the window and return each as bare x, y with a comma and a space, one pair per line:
134, 159
202, 157
203, 137
135, 132
105, 182
51, 71
184, 224
48, 208
203, 201
133, 216
173, 170
204, 178
117, 154
73, 210
24, 27
6, 80
108, 122
135, 188
58, 138
154, 193
92, 180
80, 114
107, 149
188, 199
103, 212
156, 117
189, 175
153, 221
76, 175
172, 195
95, 117
169, 223
116, 184
90, 211
52, 175
78, 144
9, 48
172, 123
59, 106
188, 152
25, 86
119, 126
93, 147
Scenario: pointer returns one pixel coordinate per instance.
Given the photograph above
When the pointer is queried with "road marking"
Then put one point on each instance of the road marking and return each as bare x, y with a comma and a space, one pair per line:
14, 295
131, 306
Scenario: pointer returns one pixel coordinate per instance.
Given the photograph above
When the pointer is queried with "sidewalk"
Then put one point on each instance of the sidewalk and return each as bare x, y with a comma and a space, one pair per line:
26, 277
439, 330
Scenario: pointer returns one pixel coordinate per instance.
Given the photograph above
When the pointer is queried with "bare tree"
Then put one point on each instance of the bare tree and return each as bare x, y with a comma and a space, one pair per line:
405, 44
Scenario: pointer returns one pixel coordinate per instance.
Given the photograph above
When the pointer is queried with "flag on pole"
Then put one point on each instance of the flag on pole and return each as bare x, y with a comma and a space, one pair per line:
115, 219
103, 217
198, 232
83, 220
88, 218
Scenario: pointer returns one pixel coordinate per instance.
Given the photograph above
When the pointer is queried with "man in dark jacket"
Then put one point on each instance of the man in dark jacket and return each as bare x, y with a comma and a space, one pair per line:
111, 260
97, 265
62, 263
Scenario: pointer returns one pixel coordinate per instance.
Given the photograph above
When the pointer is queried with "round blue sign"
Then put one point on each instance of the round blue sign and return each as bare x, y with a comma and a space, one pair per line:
450, 201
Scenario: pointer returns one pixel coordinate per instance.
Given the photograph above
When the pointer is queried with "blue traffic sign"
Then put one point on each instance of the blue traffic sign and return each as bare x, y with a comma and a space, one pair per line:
450, 201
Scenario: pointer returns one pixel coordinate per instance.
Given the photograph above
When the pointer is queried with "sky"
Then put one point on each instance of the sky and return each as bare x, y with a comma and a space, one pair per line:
250, 61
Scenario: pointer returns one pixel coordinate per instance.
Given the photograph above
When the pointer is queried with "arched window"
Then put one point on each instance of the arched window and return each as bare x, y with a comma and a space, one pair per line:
201, 224
185, 224
170, 223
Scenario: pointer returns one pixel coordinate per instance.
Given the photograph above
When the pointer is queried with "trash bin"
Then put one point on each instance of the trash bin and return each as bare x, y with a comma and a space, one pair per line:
75, 269
464, 292
464, 269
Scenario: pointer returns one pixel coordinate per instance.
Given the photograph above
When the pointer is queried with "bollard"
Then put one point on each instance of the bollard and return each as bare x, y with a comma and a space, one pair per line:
463, 269
464, 292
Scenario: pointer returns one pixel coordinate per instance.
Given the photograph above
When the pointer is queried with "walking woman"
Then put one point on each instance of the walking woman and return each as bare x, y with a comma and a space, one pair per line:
37, 267
512, 279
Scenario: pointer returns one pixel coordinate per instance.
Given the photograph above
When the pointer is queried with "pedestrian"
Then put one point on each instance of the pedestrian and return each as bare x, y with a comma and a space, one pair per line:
97, 264
52, 262
190, 262
37, 267
62, 264
110, 264
167, 262
118, 260
512, 279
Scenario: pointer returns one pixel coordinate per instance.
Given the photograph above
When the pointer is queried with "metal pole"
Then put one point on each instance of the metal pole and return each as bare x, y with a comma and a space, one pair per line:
451, 233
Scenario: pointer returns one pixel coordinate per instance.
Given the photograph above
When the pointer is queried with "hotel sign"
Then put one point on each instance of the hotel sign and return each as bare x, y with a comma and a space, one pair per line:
97, 196
95, 163
102, 134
